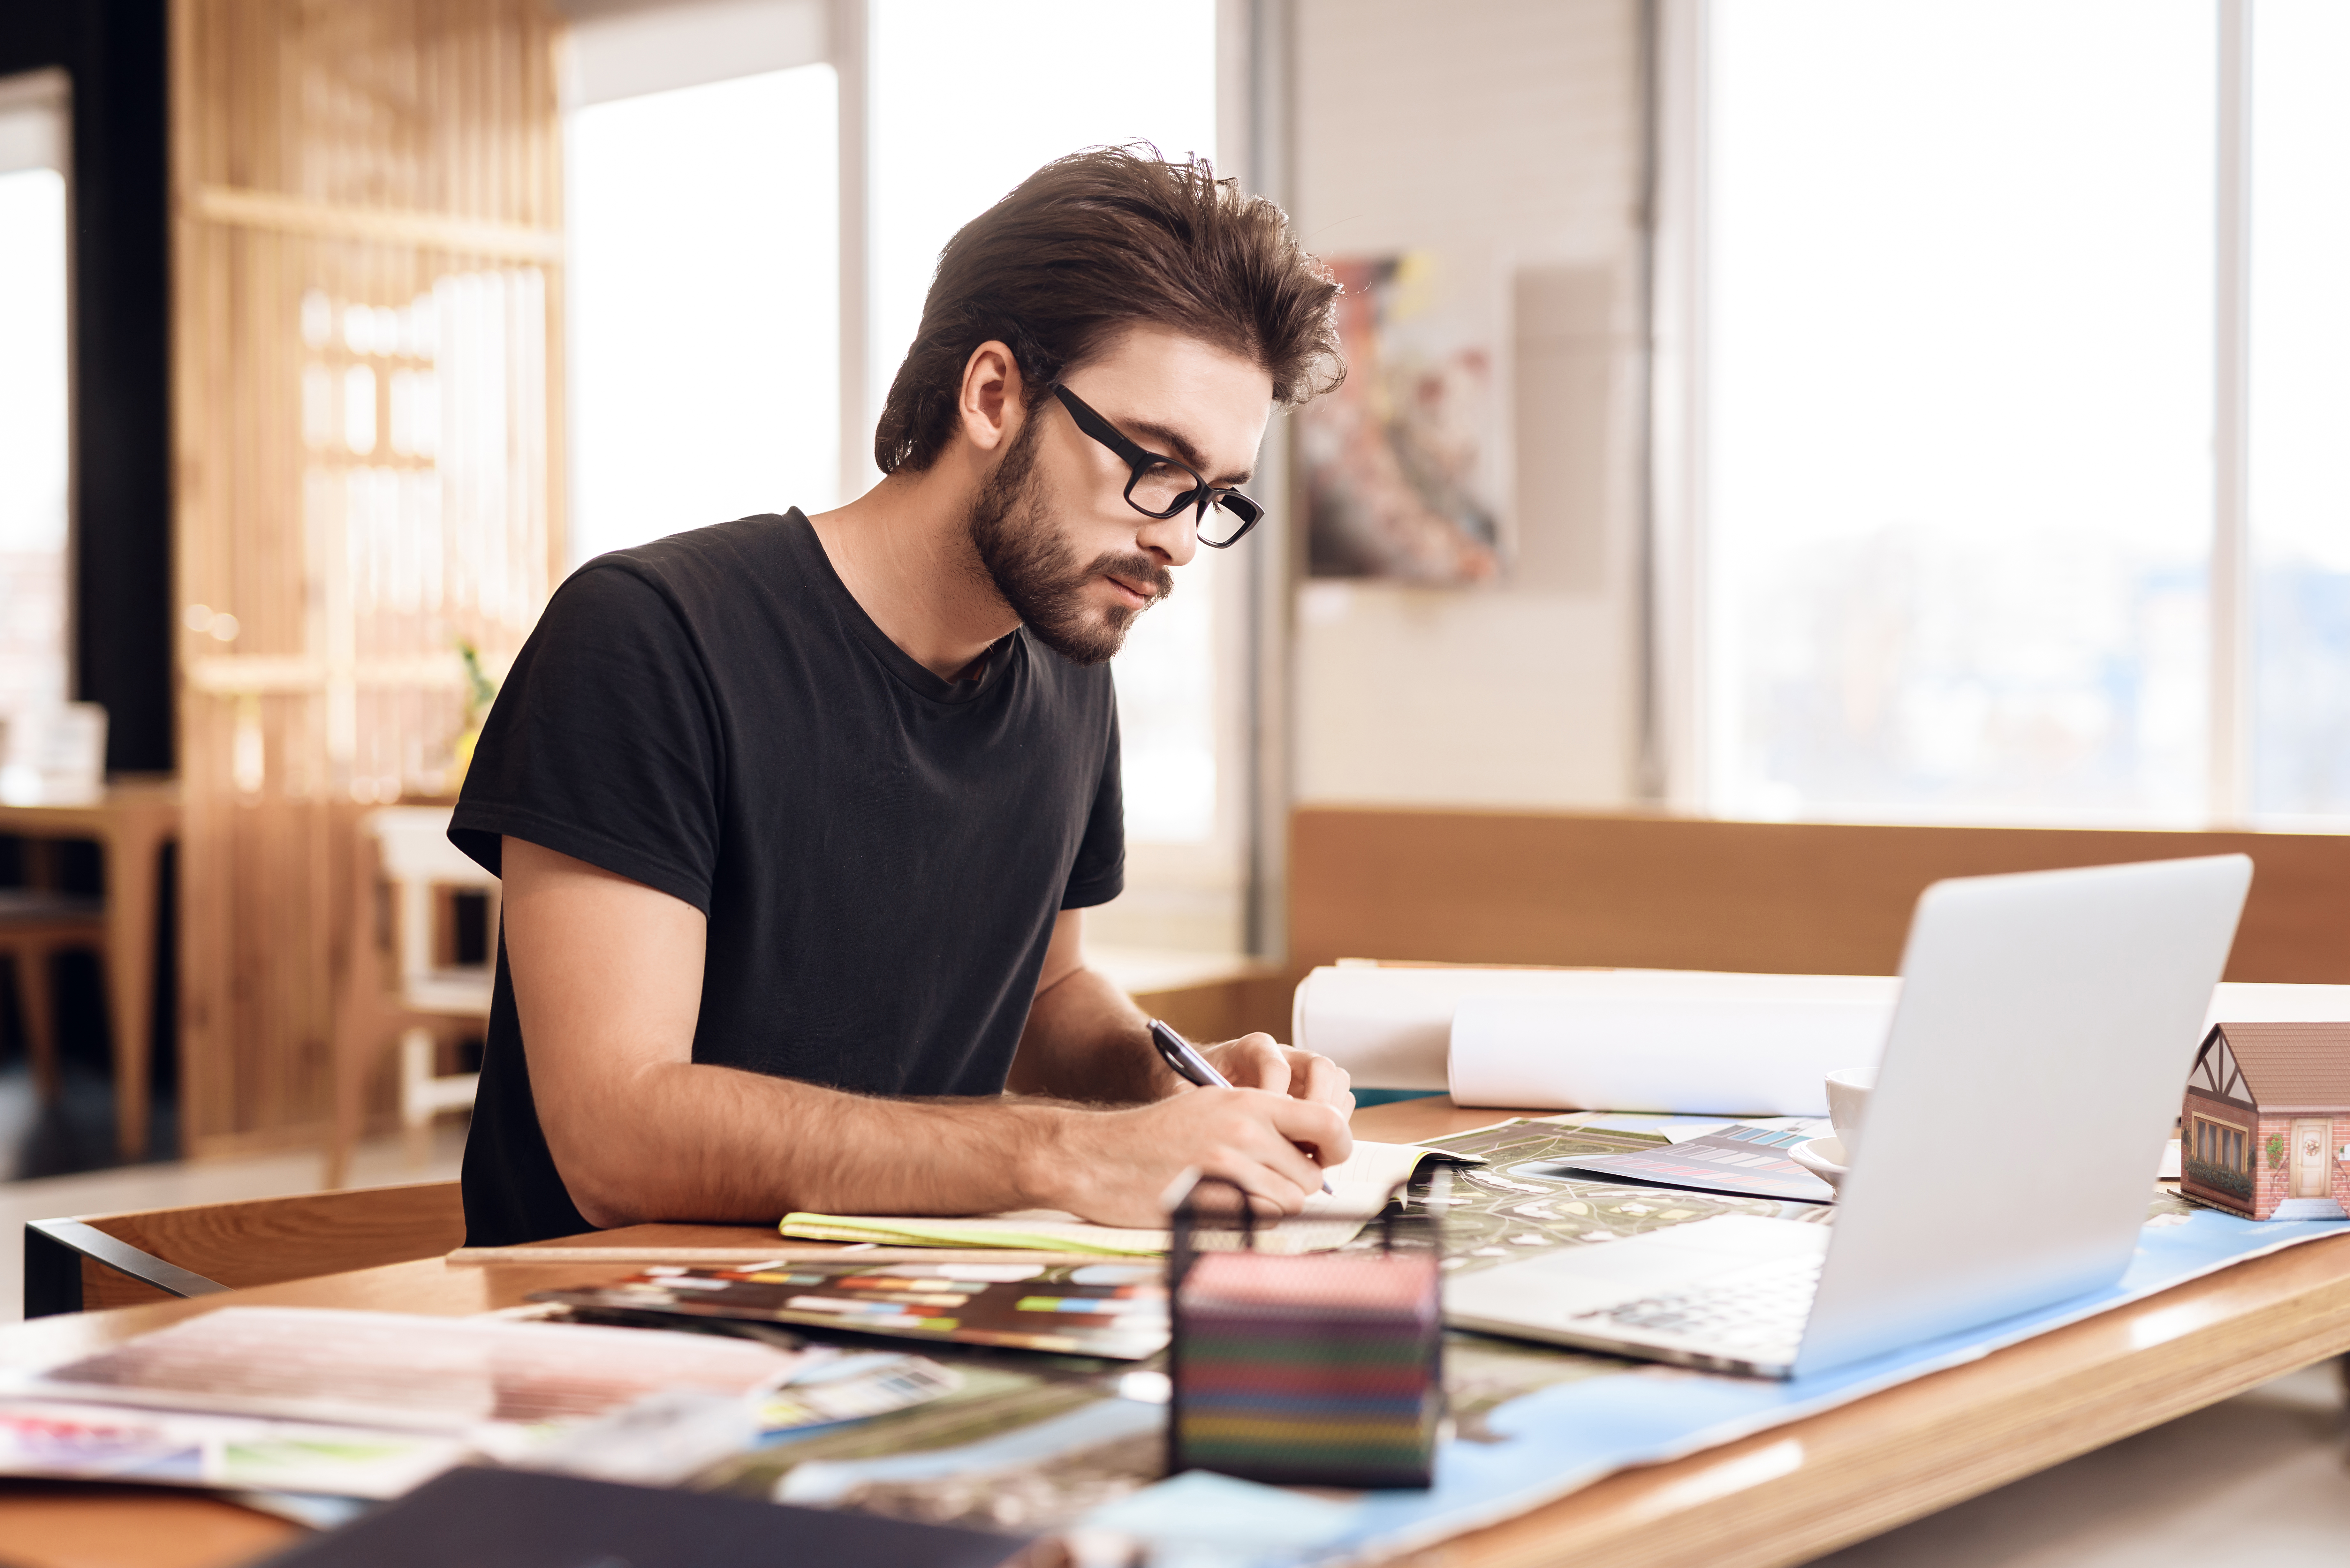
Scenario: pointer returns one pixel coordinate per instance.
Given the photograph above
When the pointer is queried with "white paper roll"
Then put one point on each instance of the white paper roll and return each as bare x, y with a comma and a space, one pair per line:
1392, 1027
1754, 1047
2234, 1001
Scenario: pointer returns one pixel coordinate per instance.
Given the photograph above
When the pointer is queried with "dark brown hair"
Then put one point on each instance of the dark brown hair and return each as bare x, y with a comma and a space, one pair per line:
1096, 243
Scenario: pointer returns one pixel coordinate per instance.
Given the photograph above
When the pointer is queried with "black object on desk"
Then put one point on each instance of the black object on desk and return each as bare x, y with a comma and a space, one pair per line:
472, 1517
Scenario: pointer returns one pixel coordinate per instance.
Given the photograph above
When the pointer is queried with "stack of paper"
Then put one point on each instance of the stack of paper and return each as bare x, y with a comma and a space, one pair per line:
354, 1403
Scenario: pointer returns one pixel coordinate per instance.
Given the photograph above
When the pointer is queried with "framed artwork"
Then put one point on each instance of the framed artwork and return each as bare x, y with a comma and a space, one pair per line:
1395, 460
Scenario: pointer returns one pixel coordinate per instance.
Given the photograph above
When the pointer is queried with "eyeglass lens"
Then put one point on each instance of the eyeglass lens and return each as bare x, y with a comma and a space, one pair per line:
1163, 489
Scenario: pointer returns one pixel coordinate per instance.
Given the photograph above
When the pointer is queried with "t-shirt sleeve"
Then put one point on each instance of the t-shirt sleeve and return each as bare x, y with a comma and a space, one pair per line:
1099, 874
604, 743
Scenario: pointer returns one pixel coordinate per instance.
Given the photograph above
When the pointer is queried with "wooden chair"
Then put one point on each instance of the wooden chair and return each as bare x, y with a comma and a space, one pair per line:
396, 982
34, 928
93, 1261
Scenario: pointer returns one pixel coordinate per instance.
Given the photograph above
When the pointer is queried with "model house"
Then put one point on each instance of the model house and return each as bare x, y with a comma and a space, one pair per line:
2266, 1125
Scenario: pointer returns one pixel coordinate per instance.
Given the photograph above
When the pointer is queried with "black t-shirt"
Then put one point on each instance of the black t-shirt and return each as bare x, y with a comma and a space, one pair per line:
880, 852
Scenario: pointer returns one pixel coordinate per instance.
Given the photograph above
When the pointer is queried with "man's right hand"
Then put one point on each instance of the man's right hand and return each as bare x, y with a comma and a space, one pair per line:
1115, 1167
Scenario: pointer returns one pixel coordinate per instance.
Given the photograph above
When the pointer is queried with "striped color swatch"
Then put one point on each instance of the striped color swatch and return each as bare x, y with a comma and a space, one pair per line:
1323, 1369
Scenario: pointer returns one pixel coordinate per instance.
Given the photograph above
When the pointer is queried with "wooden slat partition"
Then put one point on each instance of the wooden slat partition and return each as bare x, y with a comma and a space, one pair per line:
1767, 898
366, 233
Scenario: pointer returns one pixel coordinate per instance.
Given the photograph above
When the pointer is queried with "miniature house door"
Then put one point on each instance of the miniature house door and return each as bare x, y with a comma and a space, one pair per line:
2310, 1172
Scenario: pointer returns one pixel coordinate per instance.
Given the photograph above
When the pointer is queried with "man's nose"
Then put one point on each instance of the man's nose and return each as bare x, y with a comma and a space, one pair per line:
1174, 540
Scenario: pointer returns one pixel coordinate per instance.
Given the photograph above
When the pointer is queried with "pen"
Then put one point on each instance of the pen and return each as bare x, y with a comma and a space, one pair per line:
1183, 1059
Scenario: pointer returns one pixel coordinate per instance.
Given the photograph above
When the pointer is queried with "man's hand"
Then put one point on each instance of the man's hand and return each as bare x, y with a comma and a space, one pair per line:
1115, 1167
1260, 1062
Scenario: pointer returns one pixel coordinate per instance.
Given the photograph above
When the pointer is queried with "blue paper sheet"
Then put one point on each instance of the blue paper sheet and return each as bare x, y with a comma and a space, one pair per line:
1560, 1438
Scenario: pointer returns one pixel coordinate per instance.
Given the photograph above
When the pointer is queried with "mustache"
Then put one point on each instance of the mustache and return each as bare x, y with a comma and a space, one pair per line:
1138, 569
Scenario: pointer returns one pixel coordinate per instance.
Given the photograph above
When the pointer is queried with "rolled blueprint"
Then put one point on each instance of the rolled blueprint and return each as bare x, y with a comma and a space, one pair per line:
1690, 1040
1755, 1045
1392, 1026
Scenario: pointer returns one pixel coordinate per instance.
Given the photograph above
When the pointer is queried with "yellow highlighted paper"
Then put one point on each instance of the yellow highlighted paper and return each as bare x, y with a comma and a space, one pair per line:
1359, 1188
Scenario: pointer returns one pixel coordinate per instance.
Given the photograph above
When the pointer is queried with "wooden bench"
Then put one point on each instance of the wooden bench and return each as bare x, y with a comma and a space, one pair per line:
164, 1254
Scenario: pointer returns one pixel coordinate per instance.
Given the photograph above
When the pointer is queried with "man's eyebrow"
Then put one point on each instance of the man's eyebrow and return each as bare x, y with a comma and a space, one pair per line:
1174, 443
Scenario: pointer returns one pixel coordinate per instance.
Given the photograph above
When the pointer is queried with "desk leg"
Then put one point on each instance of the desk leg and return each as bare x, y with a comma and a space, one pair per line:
131, 877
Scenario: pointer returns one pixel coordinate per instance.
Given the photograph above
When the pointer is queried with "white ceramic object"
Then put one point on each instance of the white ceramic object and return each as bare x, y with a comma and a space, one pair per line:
1848, 1090
1824, 1158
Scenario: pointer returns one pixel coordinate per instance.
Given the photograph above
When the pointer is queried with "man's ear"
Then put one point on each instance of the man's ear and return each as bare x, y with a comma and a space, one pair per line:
992, 400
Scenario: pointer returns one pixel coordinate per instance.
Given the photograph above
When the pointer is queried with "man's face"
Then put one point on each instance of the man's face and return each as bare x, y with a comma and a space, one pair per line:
1051, 524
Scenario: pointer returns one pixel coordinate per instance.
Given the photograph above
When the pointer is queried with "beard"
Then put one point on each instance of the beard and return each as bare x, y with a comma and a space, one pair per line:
1035, 568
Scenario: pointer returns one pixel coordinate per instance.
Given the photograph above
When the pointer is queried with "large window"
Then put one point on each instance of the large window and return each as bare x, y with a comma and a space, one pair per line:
705, 305
1970, 432
36, 463
707, 313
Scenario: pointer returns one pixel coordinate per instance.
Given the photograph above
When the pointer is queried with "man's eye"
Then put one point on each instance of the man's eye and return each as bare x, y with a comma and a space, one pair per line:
1161, 486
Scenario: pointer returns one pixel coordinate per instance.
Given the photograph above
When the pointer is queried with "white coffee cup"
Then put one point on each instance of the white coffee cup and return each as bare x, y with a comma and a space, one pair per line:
1848, 1102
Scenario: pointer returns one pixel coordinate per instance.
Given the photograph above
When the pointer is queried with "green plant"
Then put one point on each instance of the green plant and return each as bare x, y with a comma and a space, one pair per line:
2220, 1178
480, 690
2275, 1145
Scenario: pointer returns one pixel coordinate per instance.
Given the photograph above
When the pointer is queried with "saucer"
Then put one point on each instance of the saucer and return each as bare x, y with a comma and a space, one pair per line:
1823, 1157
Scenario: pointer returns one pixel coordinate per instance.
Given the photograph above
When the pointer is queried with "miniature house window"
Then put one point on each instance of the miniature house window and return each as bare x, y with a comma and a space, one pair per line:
2220, 1156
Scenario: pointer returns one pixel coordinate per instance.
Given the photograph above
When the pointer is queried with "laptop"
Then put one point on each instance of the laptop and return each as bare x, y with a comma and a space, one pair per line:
2046, 1029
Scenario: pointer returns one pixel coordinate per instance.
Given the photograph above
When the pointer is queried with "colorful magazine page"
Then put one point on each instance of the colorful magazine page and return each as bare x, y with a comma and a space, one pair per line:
76, 1441
1744, 1159
400, 1372
856, 1388
1117, 1310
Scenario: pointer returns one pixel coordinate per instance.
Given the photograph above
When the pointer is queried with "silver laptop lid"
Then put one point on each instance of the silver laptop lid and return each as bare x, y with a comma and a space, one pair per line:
2046, 1026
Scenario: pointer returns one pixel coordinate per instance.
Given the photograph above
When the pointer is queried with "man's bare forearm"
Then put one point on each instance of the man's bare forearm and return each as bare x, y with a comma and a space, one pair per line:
699, 1142
608, 979
1085, 1039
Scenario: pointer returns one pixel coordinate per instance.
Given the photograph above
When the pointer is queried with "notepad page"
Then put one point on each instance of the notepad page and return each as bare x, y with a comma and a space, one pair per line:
1358, 1189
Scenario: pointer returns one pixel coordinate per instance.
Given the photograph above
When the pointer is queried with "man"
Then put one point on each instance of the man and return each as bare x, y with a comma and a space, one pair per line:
798, 818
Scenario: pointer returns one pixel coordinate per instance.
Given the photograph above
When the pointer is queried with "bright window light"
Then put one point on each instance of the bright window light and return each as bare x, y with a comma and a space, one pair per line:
1960, 407
968, 100
34, 454
704, 306
2300, 409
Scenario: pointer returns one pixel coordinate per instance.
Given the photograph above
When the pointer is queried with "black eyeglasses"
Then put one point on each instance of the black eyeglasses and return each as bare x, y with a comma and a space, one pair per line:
1162, 487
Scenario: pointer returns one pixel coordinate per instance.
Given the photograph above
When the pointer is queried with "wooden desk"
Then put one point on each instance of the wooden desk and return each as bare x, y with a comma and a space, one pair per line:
130, 822
1782, 1496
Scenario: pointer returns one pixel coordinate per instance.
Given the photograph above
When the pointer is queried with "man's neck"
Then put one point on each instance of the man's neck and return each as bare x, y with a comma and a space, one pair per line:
904, 551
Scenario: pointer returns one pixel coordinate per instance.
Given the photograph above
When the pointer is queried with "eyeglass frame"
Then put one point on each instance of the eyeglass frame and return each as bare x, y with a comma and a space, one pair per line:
1139, 459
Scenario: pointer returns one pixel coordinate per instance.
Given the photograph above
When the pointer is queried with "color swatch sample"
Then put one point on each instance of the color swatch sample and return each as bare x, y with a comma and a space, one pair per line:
1113, 1310
1318, 1370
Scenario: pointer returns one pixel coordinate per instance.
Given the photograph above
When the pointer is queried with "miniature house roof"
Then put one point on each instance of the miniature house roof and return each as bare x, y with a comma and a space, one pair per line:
2277, 1067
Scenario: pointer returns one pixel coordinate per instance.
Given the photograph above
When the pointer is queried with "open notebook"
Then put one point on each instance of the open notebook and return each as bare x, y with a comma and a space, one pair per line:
1358, 1190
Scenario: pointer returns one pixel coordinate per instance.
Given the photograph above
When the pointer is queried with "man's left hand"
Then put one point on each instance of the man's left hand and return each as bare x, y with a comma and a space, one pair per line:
1260, 1062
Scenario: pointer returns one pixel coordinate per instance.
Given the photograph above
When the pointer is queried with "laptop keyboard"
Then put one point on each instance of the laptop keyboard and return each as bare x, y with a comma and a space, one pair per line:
1761, 1309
